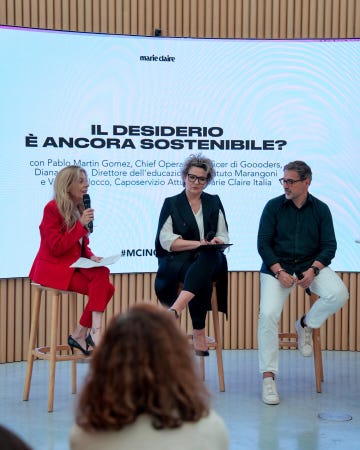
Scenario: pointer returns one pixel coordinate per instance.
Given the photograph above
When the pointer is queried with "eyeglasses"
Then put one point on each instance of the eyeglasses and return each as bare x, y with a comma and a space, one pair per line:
193, 178
288, 181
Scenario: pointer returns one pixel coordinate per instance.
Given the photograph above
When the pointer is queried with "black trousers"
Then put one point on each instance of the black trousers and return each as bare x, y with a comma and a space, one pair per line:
197, 276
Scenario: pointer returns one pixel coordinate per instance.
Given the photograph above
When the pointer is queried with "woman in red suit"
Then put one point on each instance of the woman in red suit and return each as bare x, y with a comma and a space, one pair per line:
64, 238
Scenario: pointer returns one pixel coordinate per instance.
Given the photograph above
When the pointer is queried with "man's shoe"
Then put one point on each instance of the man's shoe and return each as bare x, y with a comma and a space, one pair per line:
269, 392
305, 342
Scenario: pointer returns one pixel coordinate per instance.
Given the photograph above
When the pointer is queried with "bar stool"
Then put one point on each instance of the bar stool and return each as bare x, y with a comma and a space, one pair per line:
216, 343
289, 340
54, 352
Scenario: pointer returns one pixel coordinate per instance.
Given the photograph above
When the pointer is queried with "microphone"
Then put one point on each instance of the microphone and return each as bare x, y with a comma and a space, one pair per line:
300, 277
87, 204
210, 235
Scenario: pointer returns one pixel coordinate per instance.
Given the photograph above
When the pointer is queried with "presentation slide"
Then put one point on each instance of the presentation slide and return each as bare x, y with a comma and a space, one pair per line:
130, 109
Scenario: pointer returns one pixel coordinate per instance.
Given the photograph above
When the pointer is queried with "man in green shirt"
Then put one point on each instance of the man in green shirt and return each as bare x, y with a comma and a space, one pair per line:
296, 241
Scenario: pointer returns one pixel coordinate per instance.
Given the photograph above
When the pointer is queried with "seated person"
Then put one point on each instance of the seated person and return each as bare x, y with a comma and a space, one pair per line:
296, 241
187, 221
64, 233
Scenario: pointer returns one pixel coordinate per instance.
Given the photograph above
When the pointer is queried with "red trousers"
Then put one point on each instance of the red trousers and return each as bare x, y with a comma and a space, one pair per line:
96, 285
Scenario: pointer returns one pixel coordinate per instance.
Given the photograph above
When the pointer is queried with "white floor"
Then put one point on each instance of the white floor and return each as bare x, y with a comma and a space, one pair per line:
293, 425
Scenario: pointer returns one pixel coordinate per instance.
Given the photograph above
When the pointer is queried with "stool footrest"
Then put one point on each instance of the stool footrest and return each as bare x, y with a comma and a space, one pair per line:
288, 340
44, 353
211, 345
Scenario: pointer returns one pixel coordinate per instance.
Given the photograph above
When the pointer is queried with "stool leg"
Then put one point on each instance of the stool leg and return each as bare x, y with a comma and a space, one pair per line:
73, 376
321, 361
319, 376
202, 367
32, 340
72, 307
218, 348
54, 329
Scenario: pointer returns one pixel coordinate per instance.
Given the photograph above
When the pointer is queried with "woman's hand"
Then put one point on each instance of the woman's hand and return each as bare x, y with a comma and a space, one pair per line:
214, 240
96, 258
86, 217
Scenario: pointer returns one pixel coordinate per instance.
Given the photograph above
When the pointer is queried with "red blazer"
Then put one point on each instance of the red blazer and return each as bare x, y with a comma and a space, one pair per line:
59, 248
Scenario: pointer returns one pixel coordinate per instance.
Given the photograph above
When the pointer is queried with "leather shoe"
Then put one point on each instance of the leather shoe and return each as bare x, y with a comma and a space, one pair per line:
89, 342
72, 343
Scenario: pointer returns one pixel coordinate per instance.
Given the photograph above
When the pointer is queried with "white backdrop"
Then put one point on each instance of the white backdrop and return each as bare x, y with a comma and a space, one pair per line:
131, 109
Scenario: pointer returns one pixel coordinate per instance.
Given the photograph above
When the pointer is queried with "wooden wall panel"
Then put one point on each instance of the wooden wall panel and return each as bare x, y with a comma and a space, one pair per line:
340, 332
285, 19
280, 19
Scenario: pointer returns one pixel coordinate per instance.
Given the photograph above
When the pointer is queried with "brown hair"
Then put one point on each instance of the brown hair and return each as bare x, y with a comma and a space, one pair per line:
303, 170
144, 364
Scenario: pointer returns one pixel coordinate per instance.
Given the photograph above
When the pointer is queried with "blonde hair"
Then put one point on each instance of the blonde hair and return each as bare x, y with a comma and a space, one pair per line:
65, 204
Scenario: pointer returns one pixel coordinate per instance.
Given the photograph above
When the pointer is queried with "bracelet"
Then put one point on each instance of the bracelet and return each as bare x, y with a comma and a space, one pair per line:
278, 273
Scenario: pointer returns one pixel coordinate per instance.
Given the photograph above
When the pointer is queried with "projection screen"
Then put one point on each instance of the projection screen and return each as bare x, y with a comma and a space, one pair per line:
131, 109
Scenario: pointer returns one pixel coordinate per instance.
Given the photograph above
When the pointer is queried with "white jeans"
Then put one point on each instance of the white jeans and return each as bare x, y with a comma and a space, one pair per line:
332, 296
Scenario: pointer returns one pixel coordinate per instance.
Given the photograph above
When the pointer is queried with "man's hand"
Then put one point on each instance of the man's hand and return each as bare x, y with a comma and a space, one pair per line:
286, 280
306, 279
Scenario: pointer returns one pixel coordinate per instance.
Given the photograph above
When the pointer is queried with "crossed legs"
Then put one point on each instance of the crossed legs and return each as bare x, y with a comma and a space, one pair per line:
332, 296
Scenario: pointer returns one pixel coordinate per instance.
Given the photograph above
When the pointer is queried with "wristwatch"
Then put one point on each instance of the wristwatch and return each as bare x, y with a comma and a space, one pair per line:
277, 273
316, 270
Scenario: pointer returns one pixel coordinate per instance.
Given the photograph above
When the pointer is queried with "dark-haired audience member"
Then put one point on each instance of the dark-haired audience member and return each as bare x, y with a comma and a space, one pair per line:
9, 440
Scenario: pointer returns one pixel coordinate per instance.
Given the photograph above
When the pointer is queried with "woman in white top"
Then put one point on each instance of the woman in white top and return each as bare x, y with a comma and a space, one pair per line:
143, 390
188, 224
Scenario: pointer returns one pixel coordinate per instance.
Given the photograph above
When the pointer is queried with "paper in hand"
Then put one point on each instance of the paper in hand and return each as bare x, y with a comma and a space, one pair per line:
86, 263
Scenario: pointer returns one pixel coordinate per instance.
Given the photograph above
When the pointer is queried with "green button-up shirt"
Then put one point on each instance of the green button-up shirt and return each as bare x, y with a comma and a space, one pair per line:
295, 237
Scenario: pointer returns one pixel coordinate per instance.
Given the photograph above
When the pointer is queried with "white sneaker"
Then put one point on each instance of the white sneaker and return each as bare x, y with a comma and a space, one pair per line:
269, 392
305, 342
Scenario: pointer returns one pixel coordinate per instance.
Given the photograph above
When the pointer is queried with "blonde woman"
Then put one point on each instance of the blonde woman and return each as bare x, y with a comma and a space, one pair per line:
64, 237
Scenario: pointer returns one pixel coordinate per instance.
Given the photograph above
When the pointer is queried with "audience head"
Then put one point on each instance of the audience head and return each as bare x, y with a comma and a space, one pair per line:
143, 365
11, 441
201, 162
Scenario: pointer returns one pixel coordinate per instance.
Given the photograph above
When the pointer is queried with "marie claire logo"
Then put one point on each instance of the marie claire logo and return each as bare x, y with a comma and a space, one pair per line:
138, 252
155, 58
